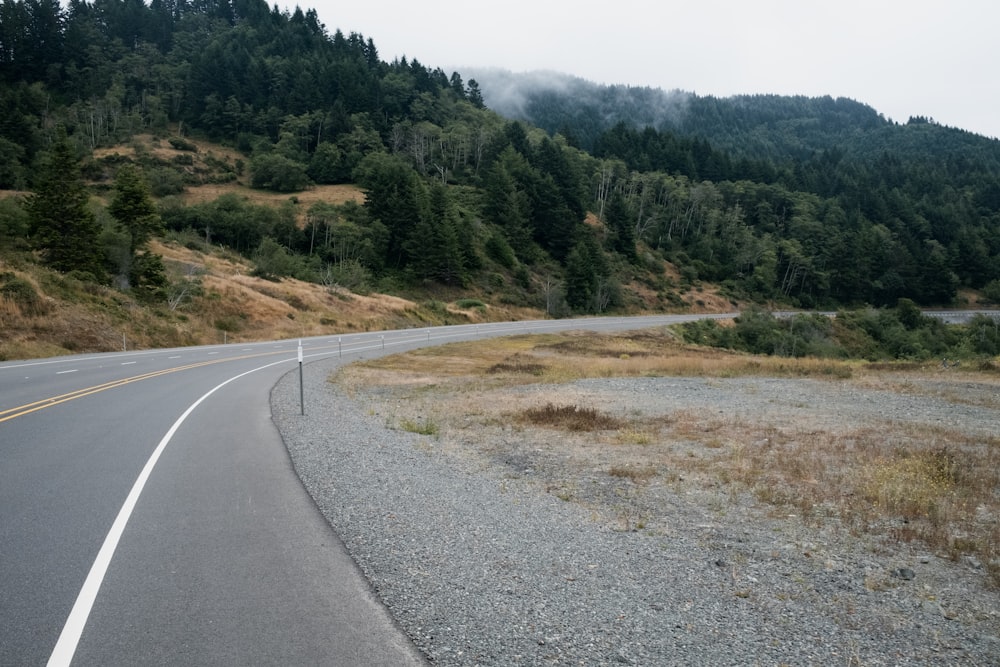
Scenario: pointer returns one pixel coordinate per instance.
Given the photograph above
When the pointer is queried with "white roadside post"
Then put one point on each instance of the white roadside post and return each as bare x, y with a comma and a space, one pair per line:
302, 395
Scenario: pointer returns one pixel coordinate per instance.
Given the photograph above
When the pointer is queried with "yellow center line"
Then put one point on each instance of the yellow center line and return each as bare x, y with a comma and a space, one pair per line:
28, 408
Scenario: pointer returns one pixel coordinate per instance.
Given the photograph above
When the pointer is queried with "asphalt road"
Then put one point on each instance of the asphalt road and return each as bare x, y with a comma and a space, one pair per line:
149, 513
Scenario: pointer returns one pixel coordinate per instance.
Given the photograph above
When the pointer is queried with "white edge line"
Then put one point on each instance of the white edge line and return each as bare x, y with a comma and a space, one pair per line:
69, 638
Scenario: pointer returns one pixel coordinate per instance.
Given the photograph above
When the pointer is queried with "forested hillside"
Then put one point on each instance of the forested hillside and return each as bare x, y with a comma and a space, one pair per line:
599, 198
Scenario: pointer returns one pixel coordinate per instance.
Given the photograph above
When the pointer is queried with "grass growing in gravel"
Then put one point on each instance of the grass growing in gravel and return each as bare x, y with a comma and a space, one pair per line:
939, 487
424, 427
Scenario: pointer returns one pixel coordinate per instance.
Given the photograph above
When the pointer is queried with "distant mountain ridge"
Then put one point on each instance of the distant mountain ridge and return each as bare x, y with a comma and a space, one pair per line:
774, 127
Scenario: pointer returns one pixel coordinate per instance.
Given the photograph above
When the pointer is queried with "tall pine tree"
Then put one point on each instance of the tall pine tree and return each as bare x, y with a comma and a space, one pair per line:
133, 208
135, 213
62, 227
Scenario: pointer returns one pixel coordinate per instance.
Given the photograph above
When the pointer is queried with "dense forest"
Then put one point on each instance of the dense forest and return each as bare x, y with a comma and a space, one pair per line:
582, 193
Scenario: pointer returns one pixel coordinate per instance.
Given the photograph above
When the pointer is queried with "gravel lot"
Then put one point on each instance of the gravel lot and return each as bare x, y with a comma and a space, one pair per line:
470, 541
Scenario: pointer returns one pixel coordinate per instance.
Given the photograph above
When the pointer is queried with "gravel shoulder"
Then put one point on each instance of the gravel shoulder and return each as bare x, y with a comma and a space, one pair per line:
496, 545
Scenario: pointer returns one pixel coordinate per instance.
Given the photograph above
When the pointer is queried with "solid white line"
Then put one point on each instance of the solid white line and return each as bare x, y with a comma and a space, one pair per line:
69, 638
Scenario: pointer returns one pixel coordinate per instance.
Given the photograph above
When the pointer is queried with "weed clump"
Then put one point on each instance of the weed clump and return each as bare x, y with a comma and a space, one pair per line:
570, 418
425, 427
516, 366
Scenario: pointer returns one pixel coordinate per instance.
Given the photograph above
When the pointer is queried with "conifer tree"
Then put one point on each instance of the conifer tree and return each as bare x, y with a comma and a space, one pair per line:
133, 210
433, 248
621, 232
63, 228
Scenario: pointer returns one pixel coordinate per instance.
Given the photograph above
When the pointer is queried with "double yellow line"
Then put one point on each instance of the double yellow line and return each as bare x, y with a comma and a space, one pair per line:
28, 408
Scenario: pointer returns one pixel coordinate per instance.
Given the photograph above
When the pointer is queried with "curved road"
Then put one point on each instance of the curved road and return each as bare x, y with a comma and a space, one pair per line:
149, 513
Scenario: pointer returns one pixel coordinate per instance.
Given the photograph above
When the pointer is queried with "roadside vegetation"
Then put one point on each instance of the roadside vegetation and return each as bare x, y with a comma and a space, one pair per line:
900, 333
897, 481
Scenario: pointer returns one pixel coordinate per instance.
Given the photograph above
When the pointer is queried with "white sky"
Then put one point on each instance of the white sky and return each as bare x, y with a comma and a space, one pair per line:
902, 57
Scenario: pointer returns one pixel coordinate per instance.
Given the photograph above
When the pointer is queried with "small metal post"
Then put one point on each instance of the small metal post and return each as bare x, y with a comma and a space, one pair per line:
302, 394
340, 347
383, 341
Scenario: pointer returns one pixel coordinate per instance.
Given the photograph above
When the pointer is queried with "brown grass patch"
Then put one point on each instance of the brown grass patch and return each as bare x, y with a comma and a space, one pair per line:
569, 418
330, 194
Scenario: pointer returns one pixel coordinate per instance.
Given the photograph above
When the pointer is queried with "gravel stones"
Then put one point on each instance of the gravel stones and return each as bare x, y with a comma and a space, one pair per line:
483, 567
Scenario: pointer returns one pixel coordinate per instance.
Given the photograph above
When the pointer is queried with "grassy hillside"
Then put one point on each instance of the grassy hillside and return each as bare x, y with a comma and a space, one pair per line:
43, 313
214, 298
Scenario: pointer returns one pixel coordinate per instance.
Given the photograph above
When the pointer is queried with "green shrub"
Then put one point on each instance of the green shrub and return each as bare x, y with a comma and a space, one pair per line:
182, 144
991, 292
498, 249
470, 303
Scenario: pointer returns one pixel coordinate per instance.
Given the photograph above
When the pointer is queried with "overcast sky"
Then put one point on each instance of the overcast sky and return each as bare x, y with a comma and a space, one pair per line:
904, 58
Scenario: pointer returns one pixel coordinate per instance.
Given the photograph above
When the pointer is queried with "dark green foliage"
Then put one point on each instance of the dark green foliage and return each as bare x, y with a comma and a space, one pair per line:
589, 287
138, 220
182, 144
164, 182
272, 171
991, 292
14, 223
982, 335
432, 248
902, 333
148, 277
396, 198
498, 249
273, 261
133, 208
12, 175
508, 202
620, 229
231, 221
329, 164
63, 228
813, 202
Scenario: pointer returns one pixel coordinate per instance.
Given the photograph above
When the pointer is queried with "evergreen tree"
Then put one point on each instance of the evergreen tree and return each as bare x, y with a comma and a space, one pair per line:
394, 197
133, 208
433, 248
475, 95
507, 203
586, 275
620, 229
63, 228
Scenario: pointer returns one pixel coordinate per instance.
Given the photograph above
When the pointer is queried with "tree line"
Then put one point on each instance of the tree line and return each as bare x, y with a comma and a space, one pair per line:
774, 199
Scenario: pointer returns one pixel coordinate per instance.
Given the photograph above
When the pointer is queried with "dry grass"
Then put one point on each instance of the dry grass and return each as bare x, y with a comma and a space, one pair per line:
897, 480
330, 194
569, 418
230, 305
575, 355
206, 192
